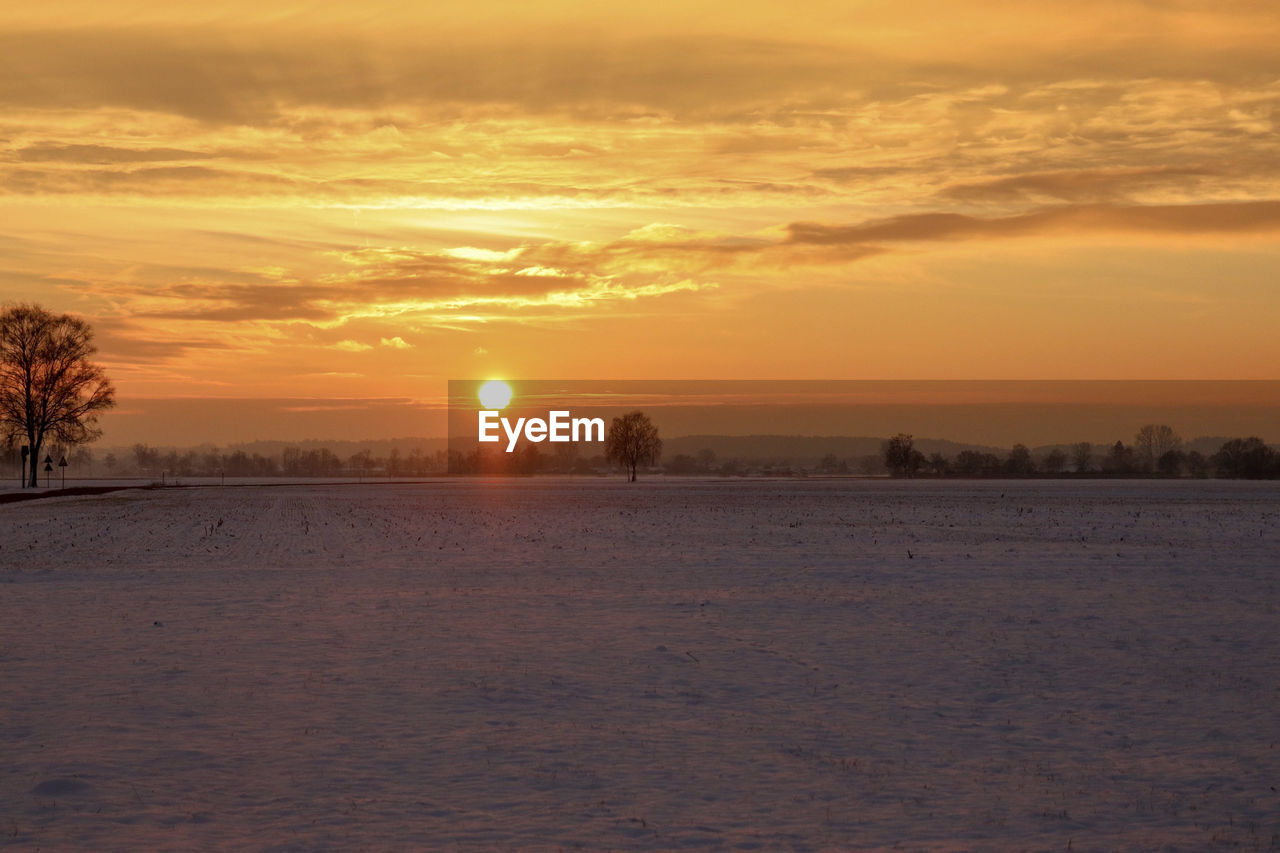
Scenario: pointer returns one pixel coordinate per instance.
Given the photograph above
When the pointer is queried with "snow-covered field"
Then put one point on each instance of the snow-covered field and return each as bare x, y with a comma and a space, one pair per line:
667, 665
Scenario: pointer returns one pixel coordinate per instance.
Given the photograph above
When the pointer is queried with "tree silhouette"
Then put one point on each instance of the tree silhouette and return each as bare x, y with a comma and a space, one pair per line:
1119, 459
1246, 457
48, 387
1154, 441
1082, 456
632, 441
1170, 463
901, 457
1019, 463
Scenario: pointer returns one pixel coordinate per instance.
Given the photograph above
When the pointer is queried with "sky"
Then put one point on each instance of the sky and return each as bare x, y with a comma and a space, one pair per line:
342, 206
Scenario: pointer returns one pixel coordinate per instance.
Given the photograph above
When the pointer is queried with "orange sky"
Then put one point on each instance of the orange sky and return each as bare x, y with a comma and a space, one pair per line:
343, 201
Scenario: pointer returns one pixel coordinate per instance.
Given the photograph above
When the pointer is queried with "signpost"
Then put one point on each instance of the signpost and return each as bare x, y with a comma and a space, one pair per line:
48, 469
26, 451
62, 463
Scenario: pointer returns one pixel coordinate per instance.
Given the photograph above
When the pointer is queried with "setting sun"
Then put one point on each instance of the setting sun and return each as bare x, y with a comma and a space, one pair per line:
495, 394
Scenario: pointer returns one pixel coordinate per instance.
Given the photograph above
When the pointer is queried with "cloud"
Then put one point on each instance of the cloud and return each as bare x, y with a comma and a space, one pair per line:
1213, 218
542, 65
149, 181
494, 119
373, 294
103, 154
116, 347
229, 303
264, 190
1076, 185
209, 76
448, 286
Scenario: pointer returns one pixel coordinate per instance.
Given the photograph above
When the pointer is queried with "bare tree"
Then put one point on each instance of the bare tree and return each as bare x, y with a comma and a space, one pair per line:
146, 457
632, 441
1154, 441
48, 387
1082, 456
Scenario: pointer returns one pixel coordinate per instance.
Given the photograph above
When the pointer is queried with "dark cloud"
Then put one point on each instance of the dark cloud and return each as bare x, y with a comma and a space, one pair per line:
1078, 185
216, 76
46, 152
234, 303
212, 77
114, 346
206, 182
1225, 217
851, 174
155, 180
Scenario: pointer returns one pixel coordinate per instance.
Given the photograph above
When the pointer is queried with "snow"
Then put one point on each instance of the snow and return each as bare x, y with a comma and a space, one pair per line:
561, 664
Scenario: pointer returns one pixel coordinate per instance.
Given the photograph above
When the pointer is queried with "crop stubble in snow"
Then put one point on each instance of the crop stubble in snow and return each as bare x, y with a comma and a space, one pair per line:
559, 663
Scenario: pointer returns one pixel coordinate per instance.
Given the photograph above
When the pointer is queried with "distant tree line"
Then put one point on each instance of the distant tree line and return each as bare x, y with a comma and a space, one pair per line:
1157, 451
142, 460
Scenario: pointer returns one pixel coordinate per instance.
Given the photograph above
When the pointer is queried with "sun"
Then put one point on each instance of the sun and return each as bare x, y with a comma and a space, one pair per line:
495, 394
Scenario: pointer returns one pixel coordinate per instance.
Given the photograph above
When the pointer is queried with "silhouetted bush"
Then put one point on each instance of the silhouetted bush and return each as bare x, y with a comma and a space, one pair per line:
1246, 457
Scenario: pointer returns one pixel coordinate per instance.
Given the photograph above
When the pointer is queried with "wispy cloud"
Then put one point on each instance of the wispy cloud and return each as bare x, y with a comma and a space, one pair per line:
540, 281
1220, 218
103, 154
1080, 185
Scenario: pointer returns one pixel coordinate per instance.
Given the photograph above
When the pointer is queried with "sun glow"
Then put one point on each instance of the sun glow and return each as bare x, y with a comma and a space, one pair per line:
495, 394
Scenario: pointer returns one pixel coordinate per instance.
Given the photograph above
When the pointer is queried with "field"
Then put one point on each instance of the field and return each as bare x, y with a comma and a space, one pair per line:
559, 664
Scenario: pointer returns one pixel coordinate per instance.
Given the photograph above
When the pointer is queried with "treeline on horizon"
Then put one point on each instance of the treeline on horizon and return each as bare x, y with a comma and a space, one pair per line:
1156, 451
142, 460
